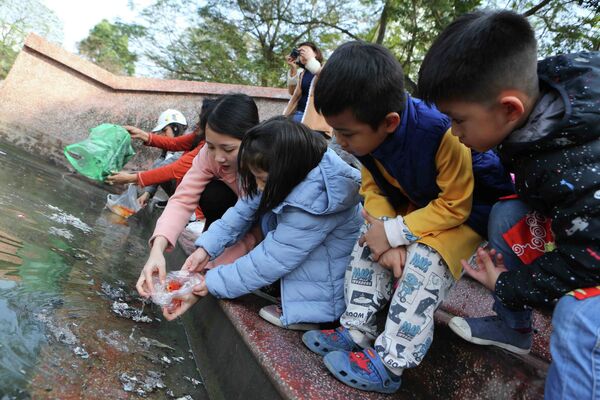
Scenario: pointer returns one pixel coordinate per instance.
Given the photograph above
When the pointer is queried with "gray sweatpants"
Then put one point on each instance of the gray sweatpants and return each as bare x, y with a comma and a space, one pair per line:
408, 332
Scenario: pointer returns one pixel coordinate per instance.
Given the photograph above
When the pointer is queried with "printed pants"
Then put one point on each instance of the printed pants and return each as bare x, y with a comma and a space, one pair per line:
408, 332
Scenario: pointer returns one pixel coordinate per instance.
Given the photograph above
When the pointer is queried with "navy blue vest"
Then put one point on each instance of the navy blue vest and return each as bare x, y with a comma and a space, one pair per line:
408, 155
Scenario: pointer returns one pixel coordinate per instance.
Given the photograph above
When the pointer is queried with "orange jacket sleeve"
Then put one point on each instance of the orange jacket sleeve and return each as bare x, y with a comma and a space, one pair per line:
176, 170
180, 143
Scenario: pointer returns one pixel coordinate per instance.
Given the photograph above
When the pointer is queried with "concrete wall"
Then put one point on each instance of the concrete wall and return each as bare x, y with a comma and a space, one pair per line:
52, 98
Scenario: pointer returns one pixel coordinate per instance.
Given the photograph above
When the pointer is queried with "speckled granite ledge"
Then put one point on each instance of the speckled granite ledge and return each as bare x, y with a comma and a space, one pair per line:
453, 368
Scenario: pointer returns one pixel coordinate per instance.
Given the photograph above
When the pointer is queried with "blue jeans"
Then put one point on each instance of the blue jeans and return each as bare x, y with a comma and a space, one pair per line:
504, 215
575, 347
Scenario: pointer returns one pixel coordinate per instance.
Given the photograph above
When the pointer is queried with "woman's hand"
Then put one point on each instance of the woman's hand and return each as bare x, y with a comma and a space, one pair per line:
143, 199
179, 306
137, 133
121, 177
394, 260
156, 264
305, 55
196, 261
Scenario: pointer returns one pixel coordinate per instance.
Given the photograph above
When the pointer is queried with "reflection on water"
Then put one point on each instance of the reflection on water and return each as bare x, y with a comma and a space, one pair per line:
67, 300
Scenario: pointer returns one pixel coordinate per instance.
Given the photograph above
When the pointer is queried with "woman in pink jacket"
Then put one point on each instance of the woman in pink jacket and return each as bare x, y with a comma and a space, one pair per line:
211, 182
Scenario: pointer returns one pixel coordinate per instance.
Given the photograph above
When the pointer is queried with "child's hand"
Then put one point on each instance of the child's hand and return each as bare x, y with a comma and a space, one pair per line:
394, 260
137, 133
180, 305
121, 177
487, 272
375, 236
201, 290
196, 261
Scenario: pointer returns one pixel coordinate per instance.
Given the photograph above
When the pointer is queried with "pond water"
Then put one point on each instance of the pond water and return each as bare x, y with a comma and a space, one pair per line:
68, 269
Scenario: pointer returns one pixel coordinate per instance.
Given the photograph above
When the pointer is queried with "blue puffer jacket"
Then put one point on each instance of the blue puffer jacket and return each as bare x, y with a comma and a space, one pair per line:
308, 240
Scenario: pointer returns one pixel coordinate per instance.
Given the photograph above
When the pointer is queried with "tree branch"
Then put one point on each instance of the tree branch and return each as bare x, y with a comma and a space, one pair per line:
316, 22
536, 8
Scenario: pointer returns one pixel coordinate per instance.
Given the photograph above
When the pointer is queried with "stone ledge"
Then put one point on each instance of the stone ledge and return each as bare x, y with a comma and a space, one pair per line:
53, 52
453, 368
51, 98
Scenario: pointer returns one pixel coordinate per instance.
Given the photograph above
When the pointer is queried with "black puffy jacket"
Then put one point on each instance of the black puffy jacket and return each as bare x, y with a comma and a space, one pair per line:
558, 174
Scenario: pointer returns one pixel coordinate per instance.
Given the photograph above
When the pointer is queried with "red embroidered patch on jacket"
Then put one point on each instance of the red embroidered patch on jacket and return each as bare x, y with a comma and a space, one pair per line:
531, 237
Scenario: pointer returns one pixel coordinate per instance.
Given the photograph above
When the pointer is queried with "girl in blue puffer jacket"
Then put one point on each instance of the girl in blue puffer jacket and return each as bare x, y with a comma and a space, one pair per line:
306, 201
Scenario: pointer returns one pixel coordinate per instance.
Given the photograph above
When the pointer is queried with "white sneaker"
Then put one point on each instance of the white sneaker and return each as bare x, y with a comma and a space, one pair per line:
272, 314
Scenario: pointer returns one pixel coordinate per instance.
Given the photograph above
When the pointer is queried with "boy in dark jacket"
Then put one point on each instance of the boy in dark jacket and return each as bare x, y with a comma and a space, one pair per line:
435, 196
482, 71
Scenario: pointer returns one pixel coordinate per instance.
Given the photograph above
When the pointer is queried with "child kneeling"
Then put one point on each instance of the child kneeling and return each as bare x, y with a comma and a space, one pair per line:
436, 196
306, 201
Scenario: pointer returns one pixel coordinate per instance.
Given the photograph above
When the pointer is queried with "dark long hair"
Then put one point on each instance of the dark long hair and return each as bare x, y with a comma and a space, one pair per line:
205, 110
233, 115
286, 150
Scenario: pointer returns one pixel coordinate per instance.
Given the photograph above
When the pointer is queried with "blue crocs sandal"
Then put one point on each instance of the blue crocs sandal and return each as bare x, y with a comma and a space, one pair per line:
325, 341
362, 370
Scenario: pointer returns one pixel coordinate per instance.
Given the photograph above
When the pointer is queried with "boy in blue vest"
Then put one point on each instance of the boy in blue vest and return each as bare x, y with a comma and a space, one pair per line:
432, 193
544, 117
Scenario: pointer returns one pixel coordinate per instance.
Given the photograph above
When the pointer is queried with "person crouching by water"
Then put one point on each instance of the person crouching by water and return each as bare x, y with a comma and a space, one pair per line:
306, 200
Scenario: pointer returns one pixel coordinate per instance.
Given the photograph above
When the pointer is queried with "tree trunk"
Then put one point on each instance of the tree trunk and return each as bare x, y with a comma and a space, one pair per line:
382, 23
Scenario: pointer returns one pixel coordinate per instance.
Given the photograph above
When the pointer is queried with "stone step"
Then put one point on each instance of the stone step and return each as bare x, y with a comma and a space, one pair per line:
250, 358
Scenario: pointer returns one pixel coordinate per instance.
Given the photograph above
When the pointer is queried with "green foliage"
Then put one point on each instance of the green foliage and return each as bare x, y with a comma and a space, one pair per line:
107, 45
241, 41
413, 25
246, 41
563, 26
17, 19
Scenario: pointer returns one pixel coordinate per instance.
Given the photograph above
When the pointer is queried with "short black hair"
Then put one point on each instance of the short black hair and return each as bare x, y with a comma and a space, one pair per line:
479, 55
363, 77
233, 114
178, 129
286, 150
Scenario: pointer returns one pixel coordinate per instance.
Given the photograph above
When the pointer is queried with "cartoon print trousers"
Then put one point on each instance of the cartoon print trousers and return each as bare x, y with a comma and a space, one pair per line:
408, 332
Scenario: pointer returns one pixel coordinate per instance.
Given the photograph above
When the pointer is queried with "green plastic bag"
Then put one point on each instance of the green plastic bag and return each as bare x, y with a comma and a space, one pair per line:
106, 150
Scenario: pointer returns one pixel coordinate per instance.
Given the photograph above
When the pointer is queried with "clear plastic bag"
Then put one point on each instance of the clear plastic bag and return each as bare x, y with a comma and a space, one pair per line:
177, 284
124, 204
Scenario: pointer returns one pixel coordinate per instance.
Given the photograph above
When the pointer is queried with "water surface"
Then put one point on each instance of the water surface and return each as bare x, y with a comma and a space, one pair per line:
68, 267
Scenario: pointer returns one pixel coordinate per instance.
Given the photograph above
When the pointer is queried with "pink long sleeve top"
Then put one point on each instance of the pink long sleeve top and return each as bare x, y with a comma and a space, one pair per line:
185, 199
